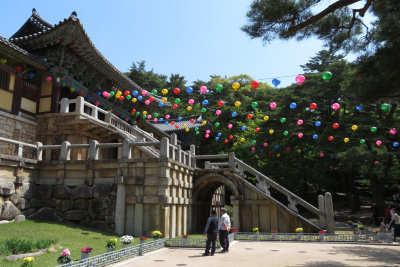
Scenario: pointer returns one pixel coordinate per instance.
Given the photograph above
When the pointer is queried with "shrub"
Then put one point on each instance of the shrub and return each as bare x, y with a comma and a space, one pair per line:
299, 230
156, 234
112, 243
19, 246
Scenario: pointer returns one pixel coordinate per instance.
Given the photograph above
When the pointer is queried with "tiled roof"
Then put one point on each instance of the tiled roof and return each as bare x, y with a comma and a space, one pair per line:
63, 30
162, 126
35, 60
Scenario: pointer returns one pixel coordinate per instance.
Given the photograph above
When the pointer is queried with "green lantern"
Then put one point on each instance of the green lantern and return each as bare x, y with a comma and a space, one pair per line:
373, 129
112, 93
203, 110
63, 84
216, 124
154, 91
128, 97
285, 133
137, 113
155, 115
385, 107
196, 129
197, 132
309, 153
327, 75
254, 142
283, 120
177, 101
254, 104
144, 117
362, 141
219, 87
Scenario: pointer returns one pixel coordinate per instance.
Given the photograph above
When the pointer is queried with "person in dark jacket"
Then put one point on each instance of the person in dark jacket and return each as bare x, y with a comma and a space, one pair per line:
211, 232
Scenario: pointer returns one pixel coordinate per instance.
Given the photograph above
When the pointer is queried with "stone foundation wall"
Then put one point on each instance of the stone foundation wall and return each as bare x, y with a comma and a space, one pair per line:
17, 128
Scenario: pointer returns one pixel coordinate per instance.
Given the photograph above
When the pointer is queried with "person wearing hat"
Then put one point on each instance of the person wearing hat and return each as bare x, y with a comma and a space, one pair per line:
211, 232
224, 227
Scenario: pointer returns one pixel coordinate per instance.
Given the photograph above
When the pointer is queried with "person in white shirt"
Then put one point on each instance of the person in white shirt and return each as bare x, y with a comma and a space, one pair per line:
224, 228
396, 221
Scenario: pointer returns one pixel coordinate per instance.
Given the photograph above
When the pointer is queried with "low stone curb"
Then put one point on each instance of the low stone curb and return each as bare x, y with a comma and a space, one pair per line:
21, 256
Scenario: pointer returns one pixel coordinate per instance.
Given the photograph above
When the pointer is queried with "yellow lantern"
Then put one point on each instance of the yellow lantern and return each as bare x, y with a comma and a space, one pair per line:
237, 104
189, 108
184, 126
266, 118
235, 144
354, 127
346, 140
72, 89
145, 112
242, 139
235, 86
164, 99
164, 91
3, 60
299, 151
118, 94
278, 155
204, 122
187, 129
271, 131
134, 100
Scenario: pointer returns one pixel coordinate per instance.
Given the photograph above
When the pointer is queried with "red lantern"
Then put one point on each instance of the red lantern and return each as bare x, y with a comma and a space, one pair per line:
175, 106
330, 138
249, 116
269, 153
126, 119
177, 91
226, 141
231, 137
80, 94
133, 111
220, 103
172, 122
121, 98
97, 103
177, 126
288, 149
255, 84
18, 68
192, 120
151, 99
335, 125
127, 93
313, 106
257, 130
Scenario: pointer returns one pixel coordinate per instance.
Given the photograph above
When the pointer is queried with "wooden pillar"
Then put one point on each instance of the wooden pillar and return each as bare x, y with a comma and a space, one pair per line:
17, 94
330, 227
55, 96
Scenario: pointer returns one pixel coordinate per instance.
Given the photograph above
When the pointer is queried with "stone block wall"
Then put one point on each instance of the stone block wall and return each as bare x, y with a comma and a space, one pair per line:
17, 128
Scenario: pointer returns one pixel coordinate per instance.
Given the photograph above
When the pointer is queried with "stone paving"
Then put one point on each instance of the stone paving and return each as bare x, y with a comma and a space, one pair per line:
271, 254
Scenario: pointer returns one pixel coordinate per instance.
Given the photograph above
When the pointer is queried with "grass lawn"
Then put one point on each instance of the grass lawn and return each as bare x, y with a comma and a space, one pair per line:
69, 236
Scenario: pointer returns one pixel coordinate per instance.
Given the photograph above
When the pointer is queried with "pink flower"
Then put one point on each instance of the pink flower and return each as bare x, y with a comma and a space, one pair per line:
65, 252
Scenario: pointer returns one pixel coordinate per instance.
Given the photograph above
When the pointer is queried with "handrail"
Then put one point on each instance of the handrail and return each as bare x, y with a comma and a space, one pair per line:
280, 188
220, 156
14, 142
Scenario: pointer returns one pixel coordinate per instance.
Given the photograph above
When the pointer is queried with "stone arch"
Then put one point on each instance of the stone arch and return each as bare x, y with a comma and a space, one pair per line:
203, 189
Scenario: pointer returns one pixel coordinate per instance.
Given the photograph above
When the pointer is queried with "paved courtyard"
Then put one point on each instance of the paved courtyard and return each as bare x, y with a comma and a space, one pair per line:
247, 253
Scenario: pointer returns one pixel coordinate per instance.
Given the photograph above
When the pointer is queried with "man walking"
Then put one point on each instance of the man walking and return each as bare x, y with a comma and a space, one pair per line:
396, 221
211, 232
224, 227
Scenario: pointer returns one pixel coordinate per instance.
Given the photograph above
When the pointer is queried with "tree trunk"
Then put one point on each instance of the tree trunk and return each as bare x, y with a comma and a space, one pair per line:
378, 190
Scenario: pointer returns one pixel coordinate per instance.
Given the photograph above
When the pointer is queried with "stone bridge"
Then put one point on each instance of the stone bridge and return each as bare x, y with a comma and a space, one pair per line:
137, 184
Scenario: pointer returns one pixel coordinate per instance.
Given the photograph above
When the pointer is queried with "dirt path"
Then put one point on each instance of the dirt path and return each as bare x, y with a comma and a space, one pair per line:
271, 254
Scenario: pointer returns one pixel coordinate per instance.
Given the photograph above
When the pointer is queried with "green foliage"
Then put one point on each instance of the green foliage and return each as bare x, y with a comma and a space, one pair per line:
19, 246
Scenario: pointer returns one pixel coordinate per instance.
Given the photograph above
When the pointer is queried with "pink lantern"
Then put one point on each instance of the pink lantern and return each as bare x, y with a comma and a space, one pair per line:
126, 119
167, 116
207, 135
203, 89
207, 131
155, 120
272, 105
335, 106
300, 135
104, 93
378, 143
230, 126
218, 112
321, 155
265, 144
147, 102
253, 149
300, 79
49, 79
376, 162
191, 101
149, 117
144, 92
300, 122
392, 131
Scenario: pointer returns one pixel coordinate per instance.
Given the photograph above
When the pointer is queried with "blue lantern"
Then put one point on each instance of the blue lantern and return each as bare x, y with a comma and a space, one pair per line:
161, 104
205, 102
317, 123
276, 82
135, 93
243, 128
234, 114
276, 146
189, 90
395, 144
140, 98
293, 105
315, 136
219, 134
179, 118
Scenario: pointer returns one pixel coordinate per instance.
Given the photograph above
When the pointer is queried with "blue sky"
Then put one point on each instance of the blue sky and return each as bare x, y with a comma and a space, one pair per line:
193, 38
